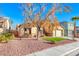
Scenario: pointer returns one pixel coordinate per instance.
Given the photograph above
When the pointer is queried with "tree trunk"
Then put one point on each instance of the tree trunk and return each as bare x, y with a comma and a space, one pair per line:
38, 21
74, 34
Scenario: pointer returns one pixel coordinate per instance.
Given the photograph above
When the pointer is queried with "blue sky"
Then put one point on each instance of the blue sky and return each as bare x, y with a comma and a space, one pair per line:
13, 11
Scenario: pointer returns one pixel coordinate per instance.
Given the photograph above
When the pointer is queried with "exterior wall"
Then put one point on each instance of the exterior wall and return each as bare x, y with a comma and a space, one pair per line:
53, 33
65, 26
65, 32
58, 33
8, 25
34, 31
29, 31
21, 32
4, 24
71, 26
1, 30
77, 29
70, 33
41, 33
68, 28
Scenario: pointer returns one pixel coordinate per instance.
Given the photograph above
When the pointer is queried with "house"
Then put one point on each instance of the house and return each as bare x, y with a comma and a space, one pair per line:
68, 28
58, 30
52, 29
27, 29
77, 31
45, 27
4, 24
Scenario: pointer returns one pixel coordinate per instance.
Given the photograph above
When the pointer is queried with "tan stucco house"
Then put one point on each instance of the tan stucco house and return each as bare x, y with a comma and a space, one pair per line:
52, 28
27, 30
4, 24
58, 30
45, 28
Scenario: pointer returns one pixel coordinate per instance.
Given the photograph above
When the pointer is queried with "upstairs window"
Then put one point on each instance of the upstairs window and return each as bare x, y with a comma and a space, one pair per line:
0, 26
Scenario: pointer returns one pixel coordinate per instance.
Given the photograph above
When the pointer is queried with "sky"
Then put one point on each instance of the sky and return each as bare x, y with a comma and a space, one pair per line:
14, 11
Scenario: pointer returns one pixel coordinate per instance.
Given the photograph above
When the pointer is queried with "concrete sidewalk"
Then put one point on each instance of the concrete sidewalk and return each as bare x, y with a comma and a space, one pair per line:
57, 51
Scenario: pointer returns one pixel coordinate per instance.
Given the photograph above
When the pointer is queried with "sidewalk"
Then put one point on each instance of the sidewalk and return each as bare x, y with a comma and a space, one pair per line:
57, 51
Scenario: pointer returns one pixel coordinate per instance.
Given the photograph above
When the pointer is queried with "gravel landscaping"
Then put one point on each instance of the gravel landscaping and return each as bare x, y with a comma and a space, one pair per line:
26, 46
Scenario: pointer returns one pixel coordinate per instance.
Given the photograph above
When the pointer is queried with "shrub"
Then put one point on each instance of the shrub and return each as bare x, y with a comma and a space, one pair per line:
5, 37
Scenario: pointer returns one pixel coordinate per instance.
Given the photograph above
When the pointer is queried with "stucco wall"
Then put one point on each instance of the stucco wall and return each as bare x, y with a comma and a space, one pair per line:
34, 31
71, 26
4, 23
58, 33
1, 30
68, 27
21, 32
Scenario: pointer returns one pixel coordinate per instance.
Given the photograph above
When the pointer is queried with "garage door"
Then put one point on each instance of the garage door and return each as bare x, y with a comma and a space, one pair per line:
58, 33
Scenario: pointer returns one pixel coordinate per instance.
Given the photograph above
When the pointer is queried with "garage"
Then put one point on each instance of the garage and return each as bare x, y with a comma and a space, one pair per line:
58, 33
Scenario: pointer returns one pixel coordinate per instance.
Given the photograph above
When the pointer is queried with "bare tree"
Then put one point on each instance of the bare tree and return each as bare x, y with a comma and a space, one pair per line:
38, 18
58, 7
27, 12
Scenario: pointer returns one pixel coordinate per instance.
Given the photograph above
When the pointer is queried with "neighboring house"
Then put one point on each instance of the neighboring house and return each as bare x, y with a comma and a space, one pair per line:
4, 24
77, 31
68, 28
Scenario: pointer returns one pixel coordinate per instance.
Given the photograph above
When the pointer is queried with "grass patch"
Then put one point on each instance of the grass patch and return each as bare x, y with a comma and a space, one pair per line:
53, 39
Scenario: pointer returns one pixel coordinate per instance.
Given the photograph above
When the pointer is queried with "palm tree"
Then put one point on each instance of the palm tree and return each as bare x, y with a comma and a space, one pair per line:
75, 19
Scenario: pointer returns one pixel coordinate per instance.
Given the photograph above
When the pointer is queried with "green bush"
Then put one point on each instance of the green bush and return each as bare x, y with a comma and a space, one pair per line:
5, 37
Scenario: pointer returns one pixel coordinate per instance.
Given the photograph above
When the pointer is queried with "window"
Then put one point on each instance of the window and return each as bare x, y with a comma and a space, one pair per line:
0, 26
71, 24
25, 29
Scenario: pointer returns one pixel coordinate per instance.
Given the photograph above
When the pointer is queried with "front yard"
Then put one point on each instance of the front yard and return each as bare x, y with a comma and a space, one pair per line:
26, 46
11, 46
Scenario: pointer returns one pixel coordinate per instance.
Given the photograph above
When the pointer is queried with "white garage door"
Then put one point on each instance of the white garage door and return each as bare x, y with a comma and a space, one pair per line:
58, 33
